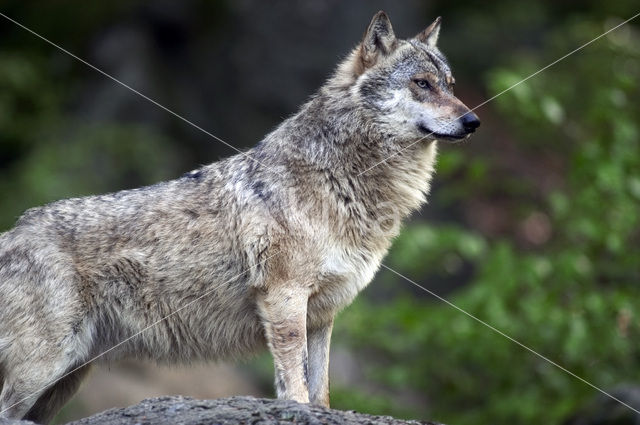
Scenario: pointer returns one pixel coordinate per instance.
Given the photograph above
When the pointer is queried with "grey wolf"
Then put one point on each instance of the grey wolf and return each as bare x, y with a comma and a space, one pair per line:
281, 238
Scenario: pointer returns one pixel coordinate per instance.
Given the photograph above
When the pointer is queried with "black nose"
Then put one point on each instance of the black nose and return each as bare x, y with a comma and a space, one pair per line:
470, 122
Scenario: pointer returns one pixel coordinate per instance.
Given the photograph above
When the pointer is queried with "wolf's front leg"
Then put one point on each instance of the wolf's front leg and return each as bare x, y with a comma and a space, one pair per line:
318, 341
284, 314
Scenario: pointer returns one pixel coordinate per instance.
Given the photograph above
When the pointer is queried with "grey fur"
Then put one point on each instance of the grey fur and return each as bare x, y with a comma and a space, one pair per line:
279, 250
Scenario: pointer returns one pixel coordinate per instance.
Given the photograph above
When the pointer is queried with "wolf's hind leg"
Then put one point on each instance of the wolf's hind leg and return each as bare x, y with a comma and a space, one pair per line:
32, 367
14, 403
25, 386
50, 403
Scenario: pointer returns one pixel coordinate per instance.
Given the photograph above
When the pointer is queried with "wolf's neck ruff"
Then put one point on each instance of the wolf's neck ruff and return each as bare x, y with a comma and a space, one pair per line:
335, 135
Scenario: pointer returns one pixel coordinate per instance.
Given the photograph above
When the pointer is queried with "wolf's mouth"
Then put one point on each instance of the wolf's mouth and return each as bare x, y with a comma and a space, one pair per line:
437, 135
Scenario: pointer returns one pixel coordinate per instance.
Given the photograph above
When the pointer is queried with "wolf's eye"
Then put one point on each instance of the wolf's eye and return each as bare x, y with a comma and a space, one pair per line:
423, 84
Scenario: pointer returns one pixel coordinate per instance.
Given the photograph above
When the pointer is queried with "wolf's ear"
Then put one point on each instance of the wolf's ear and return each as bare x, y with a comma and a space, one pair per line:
430, 35
378, 39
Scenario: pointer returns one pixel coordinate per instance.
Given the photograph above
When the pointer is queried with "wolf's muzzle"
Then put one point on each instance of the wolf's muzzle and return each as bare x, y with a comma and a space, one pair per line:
470, 122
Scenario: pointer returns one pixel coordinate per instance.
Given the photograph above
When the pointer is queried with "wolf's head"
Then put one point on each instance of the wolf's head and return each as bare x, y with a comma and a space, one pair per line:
407, 83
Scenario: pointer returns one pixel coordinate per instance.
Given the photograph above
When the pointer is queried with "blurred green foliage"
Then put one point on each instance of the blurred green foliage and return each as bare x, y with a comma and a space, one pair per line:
572, 296
46, 155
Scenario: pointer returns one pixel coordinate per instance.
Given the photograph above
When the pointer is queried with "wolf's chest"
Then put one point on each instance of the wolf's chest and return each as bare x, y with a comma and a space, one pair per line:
342, 275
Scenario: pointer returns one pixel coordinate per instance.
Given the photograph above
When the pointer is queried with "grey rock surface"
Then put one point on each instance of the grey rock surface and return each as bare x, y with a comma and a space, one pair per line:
233, 410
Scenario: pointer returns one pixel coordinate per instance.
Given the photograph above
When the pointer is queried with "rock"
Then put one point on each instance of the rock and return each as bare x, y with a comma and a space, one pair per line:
233, 410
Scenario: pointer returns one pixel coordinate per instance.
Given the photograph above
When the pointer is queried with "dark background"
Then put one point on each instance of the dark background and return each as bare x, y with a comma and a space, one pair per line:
532, 226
